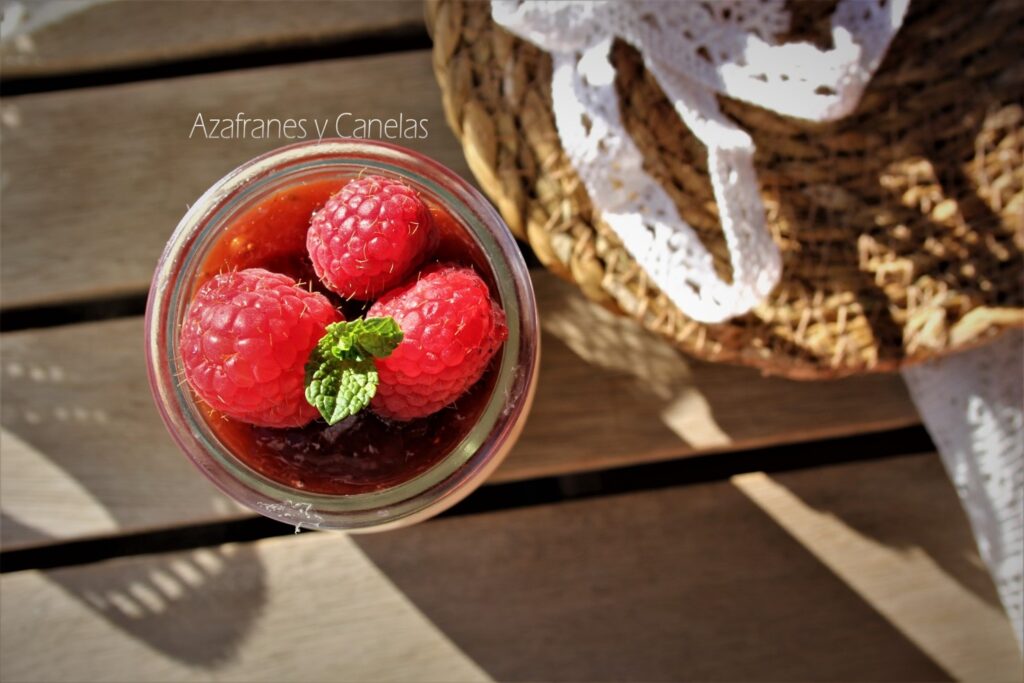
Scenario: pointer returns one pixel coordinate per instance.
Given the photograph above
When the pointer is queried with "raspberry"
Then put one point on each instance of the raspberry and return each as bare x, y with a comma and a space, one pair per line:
245, 341
451, 330
369, 236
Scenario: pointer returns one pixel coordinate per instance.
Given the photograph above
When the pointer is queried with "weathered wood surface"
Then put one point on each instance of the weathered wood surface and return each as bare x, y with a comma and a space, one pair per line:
865, 571
110, 171
52, 37
857, 572
84, 451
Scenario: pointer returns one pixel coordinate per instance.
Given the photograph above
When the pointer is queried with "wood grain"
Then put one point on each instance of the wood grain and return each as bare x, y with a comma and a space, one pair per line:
85, 452
692, 583
58, 37
108, 172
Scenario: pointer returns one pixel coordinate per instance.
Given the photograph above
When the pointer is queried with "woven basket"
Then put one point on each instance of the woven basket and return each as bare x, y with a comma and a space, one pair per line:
901, 226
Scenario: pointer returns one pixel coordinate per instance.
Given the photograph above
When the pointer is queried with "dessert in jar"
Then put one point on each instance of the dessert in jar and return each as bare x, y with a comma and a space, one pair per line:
343, 335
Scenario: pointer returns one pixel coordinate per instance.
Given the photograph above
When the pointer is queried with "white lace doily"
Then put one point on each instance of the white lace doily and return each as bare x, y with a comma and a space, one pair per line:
696, 50
972, 405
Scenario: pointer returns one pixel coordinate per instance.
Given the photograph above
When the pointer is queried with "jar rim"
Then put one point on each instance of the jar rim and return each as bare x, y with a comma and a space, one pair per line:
479, 450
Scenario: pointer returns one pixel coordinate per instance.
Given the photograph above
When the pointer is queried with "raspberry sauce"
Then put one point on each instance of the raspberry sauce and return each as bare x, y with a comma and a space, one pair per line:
363, 453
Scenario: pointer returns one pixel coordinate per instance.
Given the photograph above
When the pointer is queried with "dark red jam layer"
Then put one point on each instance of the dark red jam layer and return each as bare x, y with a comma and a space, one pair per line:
363, 453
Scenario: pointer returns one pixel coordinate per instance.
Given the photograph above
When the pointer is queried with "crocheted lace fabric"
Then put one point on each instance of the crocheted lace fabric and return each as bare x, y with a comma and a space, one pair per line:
696, 51
972, 405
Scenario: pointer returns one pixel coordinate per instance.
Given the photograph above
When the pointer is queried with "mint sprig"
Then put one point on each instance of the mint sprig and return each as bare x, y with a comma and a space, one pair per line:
341, 377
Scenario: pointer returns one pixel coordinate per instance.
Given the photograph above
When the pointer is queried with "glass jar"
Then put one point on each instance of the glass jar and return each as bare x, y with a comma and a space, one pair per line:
456, 473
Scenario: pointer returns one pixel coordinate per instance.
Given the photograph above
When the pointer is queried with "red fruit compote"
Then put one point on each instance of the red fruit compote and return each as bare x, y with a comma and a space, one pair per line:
363, 473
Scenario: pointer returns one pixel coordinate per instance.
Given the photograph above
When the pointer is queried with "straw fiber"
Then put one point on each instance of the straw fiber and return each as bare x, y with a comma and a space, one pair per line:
901, 226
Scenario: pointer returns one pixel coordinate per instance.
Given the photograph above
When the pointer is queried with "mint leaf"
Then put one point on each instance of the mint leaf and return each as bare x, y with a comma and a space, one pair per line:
341, 377
340, 388
378, 337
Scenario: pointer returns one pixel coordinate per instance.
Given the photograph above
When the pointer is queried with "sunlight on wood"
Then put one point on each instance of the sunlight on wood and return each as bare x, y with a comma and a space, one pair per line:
906, 587
41, 496
20, 19
615, 343
297, 608
689, 417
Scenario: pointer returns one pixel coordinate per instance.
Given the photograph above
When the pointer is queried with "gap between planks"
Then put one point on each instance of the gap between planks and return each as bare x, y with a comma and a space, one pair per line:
127, 169
860, 571
492, 497
57, 41
85, 453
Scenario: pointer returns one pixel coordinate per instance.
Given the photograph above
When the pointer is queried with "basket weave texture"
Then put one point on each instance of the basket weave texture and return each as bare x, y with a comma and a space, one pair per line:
901, 226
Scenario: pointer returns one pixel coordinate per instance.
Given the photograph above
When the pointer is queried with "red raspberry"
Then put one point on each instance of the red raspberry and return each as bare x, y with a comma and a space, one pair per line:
451, 330
245, 341
369, 237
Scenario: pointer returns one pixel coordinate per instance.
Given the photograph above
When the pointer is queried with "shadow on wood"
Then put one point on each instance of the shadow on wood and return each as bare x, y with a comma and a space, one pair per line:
920, 523
609, 390
85, 452
680, 584
196, 607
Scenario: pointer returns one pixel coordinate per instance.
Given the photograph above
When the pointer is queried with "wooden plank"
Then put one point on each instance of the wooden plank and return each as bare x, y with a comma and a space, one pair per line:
614, 394
692, 583
225, 614
108, 172
930, 618
85, 452
59, 37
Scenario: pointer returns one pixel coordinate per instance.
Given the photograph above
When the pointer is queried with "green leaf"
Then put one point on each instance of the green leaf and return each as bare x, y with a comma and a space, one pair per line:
340, 388
341, 377
378, 337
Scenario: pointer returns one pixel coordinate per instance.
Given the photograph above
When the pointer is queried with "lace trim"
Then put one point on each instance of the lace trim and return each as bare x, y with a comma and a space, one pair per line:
973, 406
696, 50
